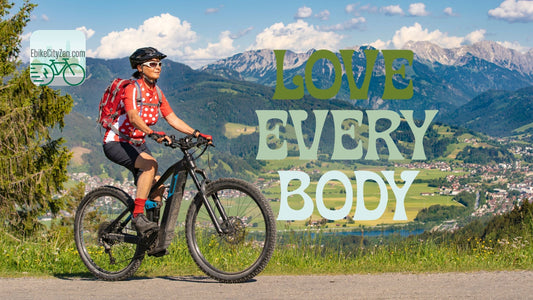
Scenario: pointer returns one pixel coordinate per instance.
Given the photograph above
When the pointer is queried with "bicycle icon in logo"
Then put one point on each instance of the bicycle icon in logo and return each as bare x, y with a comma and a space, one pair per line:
44, 74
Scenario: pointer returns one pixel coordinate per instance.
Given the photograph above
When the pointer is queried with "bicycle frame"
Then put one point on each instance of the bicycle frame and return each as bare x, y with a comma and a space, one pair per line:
179, 173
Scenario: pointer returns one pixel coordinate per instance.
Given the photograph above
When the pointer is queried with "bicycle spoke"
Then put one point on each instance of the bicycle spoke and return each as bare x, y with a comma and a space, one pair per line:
107, 257
247, 241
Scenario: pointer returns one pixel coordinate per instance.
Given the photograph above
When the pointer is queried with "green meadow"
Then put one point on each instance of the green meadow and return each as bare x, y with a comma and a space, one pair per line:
419, 196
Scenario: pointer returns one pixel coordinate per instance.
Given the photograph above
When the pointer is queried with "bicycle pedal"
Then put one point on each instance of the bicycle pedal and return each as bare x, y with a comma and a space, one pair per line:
157, 252
149, 237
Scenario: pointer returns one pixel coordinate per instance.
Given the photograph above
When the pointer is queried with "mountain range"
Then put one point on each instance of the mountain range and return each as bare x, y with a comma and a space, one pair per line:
444, 79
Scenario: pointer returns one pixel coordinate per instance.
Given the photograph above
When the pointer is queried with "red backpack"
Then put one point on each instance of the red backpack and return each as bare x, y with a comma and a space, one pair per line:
108, 110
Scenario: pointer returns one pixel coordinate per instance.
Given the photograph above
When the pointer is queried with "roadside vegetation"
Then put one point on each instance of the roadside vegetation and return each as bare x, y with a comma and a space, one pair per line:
499, 243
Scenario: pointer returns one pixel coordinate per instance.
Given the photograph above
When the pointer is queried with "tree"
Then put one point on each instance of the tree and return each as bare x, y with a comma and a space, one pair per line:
32, 164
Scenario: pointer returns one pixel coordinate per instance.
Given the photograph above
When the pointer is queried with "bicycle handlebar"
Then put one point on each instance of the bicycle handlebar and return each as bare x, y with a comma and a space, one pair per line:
187, 142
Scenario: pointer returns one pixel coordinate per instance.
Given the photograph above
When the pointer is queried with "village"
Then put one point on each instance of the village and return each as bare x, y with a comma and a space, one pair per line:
514, 183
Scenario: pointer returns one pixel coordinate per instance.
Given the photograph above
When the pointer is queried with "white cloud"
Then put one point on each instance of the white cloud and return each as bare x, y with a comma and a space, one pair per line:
303, 12
417, 9
44, 17
348, 25
213, 10
449, 12
369, 8
198, 57
350, 8
475, 36
25, 37
392, 10
241, 33
165, 32
88, 32
513, 11
298, 36
379, 44
514, 45
417, 33
323, 15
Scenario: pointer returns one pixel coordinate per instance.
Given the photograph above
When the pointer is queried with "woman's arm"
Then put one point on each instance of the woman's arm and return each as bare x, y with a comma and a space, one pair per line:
137, 121
179, 124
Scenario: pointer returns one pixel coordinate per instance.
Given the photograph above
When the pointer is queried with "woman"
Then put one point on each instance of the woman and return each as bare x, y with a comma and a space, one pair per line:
128, 148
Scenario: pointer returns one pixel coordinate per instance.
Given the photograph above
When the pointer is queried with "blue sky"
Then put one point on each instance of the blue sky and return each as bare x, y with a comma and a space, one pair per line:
199, 32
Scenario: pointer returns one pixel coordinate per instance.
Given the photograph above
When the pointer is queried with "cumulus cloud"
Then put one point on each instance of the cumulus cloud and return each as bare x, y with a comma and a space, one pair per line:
392, 10
166, 32
298, 36
417, 9
513, 11
369, 8
350, 8
417, 33
475, 36
514, 45
88, 32
353, 23
379, 44
303, 12
198, 57
323, 15
449, 11
25, 37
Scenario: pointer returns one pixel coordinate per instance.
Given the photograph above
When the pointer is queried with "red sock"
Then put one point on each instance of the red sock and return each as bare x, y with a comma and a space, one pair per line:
139, 206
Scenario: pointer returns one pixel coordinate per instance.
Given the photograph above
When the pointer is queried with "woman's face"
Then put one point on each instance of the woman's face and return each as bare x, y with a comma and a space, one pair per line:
151, 69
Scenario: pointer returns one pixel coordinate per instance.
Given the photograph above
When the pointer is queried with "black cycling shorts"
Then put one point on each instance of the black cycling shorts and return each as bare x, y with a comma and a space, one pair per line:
125, 154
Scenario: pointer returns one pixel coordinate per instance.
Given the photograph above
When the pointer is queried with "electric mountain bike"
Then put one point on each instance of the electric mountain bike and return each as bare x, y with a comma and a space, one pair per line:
229, 226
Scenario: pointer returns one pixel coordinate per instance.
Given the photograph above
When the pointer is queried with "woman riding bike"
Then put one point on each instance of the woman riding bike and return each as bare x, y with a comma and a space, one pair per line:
128, 148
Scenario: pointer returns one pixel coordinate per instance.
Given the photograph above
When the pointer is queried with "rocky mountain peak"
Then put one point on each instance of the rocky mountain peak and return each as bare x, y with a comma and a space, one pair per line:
487, 50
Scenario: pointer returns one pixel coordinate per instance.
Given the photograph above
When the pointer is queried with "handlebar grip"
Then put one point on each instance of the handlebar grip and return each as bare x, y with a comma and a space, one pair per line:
155, 136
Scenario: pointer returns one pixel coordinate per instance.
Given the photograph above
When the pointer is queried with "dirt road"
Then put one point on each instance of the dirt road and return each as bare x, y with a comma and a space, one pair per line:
478, 285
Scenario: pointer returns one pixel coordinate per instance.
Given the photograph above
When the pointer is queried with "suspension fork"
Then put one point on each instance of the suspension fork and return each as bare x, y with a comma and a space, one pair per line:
200, 185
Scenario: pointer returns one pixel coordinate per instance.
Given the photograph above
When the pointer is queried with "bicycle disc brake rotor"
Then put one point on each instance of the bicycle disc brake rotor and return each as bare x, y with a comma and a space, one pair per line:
235, 230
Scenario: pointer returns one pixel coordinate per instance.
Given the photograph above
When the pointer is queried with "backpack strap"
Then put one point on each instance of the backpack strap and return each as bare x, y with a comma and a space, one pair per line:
138, 98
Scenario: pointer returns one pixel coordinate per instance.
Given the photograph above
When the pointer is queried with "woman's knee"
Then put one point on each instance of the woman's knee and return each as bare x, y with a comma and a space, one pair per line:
146, 163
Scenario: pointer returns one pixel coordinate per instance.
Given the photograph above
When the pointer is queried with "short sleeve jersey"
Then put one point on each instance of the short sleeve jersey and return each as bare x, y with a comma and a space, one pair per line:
147, 109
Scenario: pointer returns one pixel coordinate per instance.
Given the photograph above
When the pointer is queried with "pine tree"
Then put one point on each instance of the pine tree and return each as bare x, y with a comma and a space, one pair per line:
32, 164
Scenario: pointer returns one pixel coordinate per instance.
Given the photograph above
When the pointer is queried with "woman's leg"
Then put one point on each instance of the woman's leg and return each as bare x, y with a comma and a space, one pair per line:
158, 193
148, 165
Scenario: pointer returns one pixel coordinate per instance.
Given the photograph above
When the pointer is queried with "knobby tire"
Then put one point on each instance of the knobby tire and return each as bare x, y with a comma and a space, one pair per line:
244, 251
96, 210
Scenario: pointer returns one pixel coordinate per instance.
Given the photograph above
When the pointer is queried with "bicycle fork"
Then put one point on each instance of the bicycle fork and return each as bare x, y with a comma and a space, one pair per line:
201, 196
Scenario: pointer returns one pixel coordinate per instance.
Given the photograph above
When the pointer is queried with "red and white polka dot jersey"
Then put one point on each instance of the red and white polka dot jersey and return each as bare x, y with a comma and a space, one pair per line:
148, 111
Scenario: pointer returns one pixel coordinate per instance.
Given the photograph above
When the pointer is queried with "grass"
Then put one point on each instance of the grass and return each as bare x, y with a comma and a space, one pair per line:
296, 254
233, 130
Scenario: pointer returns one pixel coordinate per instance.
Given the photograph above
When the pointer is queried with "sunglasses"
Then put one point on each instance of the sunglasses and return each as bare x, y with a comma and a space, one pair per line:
152, 64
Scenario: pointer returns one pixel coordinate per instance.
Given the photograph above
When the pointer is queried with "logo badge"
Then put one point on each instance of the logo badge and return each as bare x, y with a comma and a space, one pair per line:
57, 57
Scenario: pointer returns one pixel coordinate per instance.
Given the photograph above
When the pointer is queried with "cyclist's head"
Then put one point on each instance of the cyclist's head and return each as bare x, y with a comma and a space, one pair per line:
142, 55
145, 54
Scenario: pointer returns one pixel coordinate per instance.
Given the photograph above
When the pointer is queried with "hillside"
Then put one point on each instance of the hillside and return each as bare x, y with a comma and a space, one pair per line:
497, 112
204, 101
218, 106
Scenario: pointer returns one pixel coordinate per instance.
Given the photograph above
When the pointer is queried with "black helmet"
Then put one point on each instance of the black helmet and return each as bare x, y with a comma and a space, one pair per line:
143, 55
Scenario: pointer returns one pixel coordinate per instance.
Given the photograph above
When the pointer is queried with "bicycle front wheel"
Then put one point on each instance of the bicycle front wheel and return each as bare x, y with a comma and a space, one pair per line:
107, 257
249, 231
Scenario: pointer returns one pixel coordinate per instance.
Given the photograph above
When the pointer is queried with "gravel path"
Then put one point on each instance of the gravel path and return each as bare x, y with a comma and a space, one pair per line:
477, 285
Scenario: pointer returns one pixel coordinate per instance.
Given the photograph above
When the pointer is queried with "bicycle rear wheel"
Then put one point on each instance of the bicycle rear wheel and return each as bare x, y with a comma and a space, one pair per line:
245, 248
106, 257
